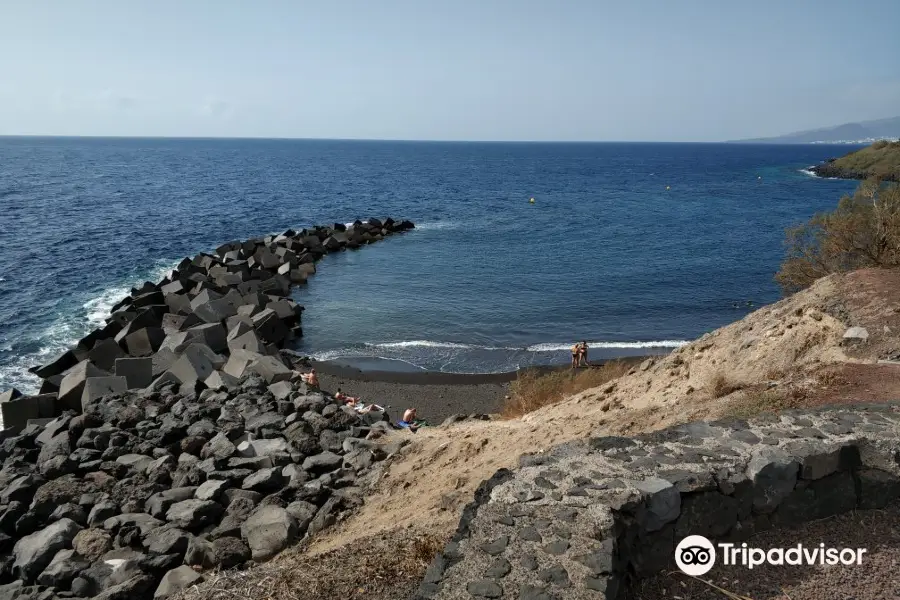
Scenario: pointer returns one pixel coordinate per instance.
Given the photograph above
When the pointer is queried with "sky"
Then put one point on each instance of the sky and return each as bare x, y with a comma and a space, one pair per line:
585, 70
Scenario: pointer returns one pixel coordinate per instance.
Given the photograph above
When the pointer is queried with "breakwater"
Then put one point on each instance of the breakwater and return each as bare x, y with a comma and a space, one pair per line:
589, 517
178, 438
215, 318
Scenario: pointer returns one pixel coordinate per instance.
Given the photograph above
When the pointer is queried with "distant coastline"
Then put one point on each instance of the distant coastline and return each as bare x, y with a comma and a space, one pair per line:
881, 160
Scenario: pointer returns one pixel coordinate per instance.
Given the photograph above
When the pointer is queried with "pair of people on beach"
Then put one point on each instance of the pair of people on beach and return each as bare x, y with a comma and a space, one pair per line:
355, 403
579, 355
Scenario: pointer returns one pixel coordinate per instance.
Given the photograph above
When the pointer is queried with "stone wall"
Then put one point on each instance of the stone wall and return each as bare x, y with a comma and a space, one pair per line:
215, 319
584, 518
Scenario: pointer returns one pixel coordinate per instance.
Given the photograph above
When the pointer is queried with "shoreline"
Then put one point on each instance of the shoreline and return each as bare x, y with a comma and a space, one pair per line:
435, 395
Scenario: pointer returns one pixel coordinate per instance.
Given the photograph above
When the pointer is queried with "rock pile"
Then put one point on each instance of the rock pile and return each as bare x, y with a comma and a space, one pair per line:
213, 320
178, 437
130, 497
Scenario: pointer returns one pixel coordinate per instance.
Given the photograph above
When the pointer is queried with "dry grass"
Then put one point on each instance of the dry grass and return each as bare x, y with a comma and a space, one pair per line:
757, 401
720, 385
532, 390
378, 568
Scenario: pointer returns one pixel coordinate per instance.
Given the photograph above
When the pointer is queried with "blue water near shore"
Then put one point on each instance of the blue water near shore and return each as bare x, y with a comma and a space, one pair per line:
487, 282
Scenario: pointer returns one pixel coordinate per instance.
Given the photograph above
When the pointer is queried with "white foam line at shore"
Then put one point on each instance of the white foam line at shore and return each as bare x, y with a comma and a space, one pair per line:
370, 350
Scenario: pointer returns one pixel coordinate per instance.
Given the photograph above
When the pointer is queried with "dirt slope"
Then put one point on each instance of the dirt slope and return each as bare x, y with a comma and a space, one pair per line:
791, 351
789, 354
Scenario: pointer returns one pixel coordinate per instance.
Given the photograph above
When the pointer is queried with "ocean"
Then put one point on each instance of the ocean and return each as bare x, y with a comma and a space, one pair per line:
636, 248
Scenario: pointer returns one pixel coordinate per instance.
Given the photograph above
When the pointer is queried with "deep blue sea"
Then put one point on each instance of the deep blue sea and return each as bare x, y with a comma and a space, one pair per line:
635, 248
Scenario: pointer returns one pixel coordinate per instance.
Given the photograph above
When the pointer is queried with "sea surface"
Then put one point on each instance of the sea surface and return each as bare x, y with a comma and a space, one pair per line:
636, 248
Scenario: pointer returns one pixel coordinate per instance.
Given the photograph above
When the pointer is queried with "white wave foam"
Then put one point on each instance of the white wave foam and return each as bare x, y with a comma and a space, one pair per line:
371, 350
808, 171
439, 225
97, 309
428, 344
613, 345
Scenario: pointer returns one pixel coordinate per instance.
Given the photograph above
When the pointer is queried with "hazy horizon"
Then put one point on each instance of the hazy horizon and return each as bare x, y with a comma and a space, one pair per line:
524, 71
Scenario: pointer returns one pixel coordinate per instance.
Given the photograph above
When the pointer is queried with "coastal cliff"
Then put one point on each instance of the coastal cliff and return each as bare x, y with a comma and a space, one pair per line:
881, 160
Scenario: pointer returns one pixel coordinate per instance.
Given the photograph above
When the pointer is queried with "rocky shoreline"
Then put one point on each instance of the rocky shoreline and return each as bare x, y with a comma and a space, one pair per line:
179, 437
828, 169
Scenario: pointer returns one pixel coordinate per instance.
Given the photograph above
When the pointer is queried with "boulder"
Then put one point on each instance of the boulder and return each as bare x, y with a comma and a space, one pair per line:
92, 543
268, 531
138, 372
16, 413
172, 323
144, 342
269, 326
58, 366
175, 581
856, 335
65, 566
322, 463
98, 387
215, 311
271, 369
104, 354
249, 341
194, 514
219, 380
229, 552
264, 480
282, 390
167, 540
209, 334
158, 504
239, 362
263, 447
195, 364
34, 552
211, 489
72, 385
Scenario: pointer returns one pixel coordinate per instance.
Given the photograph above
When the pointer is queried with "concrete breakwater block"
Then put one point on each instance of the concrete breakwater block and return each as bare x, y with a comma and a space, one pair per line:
97, 387
230, 306
138, 372
16, 412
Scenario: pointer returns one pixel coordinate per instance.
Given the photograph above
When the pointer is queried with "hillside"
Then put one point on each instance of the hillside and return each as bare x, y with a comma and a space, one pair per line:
862, 132
881, 159
795, 353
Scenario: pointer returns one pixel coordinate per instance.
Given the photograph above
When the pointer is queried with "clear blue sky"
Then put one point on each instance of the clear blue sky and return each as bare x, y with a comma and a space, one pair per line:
456, 69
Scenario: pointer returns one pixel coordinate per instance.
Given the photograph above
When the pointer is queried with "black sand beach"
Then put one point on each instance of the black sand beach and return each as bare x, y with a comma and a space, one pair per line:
435, 395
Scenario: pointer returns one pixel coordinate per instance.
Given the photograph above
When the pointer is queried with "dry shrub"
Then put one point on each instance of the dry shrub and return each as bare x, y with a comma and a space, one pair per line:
533, 390
863, 231
758, 401
719, 385
378, 568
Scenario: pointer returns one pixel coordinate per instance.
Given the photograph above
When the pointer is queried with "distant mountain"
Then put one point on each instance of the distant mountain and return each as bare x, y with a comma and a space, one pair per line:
848, 133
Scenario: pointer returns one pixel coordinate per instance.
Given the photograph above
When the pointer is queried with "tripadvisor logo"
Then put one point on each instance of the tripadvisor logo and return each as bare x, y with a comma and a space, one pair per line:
695, 555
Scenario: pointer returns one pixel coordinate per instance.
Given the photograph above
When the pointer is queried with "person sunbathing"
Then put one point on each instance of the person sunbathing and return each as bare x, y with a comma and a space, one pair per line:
410, 421
311, 378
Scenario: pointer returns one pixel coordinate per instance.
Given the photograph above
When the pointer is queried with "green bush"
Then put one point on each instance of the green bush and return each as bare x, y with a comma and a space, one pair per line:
863, 231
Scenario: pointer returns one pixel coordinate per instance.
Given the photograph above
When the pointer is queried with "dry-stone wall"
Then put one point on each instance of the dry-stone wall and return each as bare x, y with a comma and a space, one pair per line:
584, 518
214, 319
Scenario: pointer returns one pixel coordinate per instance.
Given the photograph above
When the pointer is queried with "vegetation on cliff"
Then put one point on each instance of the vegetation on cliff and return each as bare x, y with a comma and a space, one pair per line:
880, 160
863, 231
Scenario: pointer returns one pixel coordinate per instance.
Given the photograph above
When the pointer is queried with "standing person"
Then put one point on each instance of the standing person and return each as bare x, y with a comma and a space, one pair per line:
576, 353
583, 357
